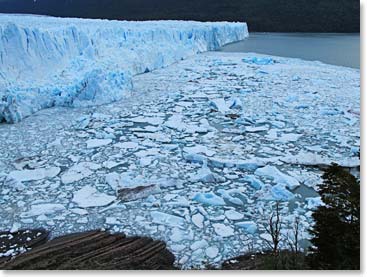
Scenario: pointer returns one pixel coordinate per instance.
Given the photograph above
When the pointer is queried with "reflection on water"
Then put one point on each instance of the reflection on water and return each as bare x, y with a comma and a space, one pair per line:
337, 49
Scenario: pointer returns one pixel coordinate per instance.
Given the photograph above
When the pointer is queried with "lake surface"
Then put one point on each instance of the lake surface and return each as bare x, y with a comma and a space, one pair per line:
337, 49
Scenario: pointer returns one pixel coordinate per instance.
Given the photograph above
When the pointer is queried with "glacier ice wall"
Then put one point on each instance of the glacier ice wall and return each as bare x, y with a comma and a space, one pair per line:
47, 61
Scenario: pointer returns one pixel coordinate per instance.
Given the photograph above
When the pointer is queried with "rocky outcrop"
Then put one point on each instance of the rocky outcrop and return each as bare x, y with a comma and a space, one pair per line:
14, 243
95, 250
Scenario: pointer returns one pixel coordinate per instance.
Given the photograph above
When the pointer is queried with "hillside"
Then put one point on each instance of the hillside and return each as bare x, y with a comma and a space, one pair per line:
261, 15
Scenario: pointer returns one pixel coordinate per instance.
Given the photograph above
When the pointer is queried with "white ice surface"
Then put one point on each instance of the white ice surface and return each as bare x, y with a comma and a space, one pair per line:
319, 101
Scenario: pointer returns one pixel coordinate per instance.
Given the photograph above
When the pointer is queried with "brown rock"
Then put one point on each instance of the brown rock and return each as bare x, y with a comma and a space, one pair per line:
95, 250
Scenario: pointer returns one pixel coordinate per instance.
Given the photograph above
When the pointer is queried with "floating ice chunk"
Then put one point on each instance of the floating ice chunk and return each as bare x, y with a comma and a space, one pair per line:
78, 172
257, 129
113, 180
259, 60
209, 198
79, 211
94, 143
195, 158
309, 158
146, 161
314, 202
176, 122
220, 105
233, 215
43, 209
127, 145
167, 219
223, 230
280, 193
212, 252
82, 122
177, 247
181, 201
198, 256
148, 152
201, 244
199, 149
235, 103
177, 235
149, 120
16, 226
111, 164
249, 164
34, 174
205, 175
266, 237
284, 138
254, 182
278, 177
330, 111
309, 179
110, 220
226, 194
88, 196
249, 226
198, 220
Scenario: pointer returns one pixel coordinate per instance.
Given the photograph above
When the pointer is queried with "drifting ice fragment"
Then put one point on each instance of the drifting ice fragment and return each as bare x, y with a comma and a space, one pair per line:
314, 202
212, 251
205, 175
254, 182
34, 174
43, 209
88, 196
233, 215
198, 220
259, 61
223, 230
249, 226
94, 143
278, 177
78, 172
167, 219
280, 193
209, 198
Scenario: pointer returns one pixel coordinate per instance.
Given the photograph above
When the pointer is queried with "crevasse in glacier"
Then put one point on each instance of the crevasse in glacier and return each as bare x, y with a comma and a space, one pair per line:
47, 61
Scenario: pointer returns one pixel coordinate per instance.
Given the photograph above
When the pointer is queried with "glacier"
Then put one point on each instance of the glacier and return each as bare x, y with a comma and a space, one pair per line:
48, 61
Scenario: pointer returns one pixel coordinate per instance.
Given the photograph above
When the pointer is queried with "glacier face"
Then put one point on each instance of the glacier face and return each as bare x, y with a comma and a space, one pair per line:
47, 61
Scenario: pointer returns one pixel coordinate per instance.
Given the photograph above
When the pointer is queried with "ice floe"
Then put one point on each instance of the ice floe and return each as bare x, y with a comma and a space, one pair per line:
89, 196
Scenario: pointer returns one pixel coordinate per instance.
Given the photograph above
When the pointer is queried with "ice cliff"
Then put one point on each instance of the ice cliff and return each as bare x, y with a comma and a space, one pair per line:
47, 61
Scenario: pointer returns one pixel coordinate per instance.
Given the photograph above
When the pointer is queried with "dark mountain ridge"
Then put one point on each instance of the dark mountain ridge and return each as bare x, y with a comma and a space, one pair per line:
261, 15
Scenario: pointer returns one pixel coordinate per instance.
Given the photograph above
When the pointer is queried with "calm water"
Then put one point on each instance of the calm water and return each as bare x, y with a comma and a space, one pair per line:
337, 49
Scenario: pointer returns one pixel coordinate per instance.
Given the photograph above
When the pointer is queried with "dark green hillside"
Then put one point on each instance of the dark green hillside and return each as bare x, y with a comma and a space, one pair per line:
261, 15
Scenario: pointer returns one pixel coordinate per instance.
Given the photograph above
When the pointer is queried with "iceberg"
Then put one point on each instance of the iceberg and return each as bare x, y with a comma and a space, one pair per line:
48, 61
249, 226
273, 173
89, 196
259, 60
209, 198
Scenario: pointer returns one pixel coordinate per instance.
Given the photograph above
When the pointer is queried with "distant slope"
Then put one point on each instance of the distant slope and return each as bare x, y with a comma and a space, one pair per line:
261, 15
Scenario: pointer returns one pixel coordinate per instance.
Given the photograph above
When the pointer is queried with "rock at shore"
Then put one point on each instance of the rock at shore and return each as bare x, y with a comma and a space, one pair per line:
93, 250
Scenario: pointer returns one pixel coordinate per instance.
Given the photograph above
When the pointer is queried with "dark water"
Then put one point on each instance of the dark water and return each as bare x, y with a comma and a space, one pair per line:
337, 49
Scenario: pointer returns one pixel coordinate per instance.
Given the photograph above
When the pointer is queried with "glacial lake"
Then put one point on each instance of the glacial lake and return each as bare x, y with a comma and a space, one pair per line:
337, 49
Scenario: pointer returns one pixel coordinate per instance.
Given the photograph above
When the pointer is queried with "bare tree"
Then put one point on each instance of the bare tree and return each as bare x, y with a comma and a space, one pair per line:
293, 241
274, 228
